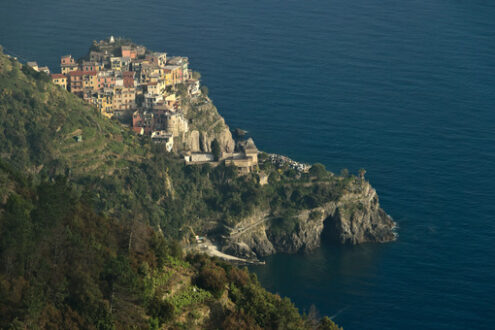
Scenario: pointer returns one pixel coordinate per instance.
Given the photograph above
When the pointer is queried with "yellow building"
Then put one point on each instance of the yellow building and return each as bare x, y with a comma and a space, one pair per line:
69, 68
159, 59
120, 63
92, 66
104, 102
60, 80
173, 75
81, 81
116, 63
150, 73
90, 81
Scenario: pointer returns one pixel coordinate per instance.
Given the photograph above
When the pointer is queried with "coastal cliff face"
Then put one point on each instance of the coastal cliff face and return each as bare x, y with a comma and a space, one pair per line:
205, 125
355, 218
360, 219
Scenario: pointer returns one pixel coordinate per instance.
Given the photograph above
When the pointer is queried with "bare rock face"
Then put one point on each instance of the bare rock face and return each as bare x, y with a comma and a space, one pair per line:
205, 125
191, 141
355, 218
249, 239
255, 244
222, 134
361, 221
307, 233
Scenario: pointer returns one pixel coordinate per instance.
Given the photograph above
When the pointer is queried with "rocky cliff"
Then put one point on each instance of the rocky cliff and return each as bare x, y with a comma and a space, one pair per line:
205, 125
354, 218
358, 218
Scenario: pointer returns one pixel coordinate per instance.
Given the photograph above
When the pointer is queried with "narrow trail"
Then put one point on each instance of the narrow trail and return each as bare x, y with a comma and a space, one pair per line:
240, 232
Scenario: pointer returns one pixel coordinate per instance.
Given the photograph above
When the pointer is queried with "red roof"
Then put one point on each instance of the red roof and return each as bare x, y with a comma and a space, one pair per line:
82, 73
58, 75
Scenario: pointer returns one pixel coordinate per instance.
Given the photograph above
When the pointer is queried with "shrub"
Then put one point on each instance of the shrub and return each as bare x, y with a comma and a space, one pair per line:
240, 277
327, 324
215, 149
213, 279
160, 309
318, 170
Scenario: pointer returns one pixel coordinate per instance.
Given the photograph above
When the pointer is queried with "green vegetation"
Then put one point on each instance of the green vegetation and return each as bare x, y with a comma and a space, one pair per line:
89, 228
130, 177
64, 266
215, 149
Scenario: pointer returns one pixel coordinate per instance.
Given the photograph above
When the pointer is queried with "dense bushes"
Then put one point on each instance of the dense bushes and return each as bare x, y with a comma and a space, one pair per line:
213, 279
160, 309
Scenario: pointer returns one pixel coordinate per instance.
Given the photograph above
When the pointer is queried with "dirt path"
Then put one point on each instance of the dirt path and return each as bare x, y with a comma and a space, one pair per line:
212, 250
240, 232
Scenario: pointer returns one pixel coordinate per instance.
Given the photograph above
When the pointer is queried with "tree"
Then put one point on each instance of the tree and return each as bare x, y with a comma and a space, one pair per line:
318, 170
274, 178
204, 90
362, 172
215, 149
327, 324
344, 172
213, 279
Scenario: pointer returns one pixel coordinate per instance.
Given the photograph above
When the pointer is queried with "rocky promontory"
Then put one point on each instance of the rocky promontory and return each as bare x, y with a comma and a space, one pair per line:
355, 218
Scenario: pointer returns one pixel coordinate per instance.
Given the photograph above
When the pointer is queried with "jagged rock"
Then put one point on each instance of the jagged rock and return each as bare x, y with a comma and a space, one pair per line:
252, 242
360, 220
191, 141
307, 235
206, 125
355, 218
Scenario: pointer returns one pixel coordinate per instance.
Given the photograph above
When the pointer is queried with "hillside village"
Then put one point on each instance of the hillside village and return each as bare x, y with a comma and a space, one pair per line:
124, 80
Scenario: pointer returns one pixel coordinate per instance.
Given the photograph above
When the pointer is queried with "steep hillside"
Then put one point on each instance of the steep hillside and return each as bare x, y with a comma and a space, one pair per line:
46, 132
62, 266
78, 194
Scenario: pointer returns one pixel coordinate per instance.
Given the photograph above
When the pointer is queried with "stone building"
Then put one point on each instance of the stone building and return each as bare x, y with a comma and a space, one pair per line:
247, 159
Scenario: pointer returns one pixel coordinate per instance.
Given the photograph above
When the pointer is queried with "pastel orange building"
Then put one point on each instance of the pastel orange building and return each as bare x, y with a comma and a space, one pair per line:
81, 80
128, 51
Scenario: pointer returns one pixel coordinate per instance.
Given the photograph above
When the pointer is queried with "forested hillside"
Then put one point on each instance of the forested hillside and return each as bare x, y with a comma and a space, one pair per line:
87, 226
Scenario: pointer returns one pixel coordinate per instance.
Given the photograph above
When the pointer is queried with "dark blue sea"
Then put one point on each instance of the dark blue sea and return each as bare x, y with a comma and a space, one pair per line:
405, 89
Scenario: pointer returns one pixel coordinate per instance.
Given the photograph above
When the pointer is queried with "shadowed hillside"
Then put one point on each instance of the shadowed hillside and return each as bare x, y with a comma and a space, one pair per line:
82, 205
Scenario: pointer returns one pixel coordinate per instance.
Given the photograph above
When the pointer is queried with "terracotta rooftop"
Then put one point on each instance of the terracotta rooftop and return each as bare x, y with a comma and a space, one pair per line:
58, 75
82, 73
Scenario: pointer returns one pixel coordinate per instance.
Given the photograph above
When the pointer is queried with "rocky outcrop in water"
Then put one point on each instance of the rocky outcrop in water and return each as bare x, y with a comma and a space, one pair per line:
360, 219
355, 218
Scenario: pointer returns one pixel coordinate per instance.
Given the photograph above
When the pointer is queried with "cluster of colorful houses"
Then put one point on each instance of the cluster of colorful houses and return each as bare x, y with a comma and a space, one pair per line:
121, 78
115, 84
128, 79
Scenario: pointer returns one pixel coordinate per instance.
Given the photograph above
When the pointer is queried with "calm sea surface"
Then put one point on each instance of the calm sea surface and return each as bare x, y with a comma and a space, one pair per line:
405, 89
